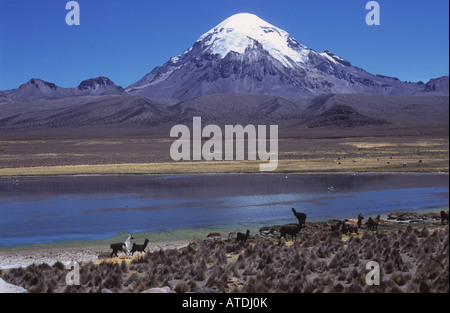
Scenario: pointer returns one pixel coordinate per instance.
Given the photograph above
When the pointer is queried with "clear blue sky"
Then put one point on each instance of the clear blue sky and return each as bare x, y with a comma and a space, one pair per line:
124, 40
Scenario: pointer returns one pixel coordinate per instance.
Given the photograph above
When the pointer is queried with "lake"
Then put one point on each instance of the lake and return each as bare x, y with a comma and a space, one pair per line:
59, 209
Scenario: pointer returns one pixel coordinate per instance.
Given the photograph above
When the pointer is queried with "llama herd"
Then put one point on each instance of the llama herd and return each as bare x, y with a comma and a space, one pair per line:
125, 247
347, 226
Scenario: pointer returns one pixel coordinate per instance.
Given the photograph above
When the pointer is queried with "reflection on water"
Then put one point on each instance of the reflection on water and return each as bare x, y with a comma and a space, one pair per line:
43, 210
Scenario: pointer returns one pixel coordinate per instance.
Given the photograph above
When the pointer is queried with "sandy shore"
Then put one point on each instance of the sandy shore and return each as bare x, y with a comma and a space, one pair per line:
13, 258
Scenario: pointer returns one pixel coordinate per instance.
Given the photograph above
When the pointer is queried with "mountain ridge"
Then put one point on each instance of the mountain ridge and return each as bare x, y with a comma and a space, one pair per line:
241, 55
223, 109
243, 70
38, 89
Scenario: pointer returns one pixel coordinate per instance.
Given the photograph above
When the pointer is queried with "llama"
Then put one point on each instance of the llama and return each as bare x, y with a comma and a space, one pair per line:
349, 227
357, 221
139, 248
376, 220
300, 216
242, 237
337, 226
121, 246
116, 247
372, 223
444, 216
292, 230
128, 244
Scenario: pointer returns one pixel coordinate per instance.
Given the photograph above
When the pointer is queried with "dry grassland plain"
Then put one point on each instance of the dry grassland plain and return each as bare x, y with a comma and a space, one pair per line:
90, 151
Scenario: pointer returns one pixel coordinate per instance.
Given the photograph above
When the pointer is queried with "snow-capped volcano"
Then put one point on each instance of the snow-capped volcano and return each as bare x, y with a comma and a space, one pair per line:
246, 31
246, 55
244, 69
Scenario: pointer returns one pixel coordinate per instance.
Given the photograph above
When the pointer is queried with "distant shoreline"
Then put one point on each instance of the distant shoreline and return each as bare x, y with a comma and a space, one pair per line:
41, 173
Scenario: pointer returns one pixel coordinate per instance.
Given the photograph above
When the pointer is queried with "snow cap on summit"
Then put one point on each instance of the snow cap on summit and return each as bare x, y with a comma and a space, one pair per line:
244, 22
244, 30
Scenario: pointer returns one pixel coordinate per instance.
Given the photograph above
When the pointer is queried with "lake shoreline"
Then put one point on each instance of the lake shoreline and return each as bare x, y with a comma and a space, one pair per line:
313, 238
174, 236
4, 175
22, 257
88, 251
194, 187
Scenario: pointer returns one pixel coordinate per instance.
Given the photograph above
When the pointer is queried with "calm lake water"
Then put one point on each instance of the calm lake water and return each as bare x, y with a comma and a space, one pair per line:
47, 210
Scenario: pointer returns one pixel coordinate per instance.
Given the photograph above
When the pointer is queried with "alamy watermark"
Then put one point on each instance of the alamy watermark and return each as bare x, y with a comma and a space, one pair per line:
73, 17
73, 277
373, 277
373, 17
213, 149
